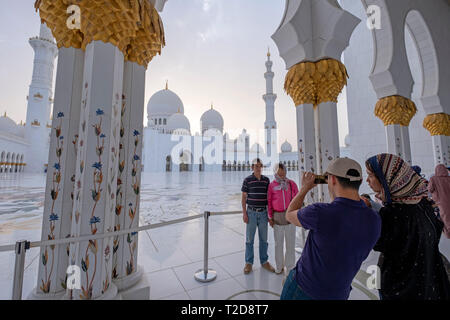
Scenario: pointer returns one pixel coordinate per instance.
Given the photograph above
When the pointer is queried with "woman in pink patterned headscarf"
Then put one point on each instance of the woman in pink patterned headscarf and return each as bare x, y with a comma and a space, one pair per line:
440, 190
410, 262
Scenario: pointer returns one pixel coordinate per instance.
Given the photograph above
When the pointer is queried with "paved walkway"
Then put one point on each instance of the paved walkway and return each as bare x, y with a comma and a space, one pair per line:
169, 257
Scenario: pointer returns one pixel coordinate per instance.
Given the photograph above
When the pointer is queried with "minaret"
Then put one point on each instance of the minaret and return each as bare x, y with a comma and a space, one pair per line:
270, 125
40, 100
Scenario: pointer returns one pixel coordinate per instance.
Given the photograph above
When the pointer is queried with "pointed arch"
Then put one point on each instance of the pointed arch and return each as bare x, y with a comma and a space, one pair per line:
416, 25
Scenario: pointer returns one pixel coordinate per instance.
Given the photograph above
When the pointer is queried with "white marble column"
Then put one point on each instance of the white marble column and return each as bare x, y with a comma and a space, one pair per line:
53, 260
397, 141
306, 146
441, 150
96, 170
125, 272
329, 136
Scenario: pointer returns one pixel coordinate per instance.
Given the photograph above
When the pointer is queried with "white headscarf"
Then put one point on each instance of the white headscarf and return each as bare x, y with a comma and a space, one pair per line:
284, 183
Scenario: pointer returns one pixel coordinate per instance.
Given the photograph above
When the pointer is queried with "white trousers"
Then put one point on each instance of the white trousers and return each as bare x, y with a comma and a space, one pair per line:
282, 234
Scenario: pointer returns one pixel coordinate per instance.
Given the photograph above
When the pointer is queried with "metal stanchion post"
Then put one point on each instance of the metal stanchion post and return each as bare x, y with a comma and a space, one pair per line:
205, 274
21, 249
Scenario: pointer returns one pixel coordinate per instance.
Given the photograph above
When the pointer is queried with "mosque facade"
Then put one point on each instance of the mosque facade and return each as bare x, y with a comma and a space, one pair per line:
169, 145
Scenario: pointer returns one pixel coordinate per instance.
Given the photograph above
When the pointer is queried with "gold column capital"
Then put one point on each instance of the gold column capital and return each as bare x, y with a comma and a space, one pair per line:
438, 124
395, 110
133, 26
149, 38
110, 21
54, 14
316, 82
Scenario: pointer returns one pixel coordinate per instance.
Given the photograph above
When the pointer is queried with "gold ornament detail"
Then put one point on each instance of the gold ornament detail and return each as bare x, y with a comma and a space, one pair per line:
438, 124
54, 14
395, 110
110, 21
316, 82
149, 37
133, 26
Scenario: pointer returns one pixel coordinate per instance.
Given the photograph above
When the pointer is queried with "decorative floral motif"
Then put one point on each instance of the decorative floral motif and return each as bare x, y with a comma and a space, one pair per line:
98, 165
119, 193
92, 247
94, 220
135, 185
78, 143
53, 218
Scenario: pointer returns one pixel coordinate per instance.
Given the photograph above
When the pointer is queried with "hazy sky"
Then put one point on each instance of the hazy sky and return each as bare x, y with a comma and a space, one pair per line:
215, 52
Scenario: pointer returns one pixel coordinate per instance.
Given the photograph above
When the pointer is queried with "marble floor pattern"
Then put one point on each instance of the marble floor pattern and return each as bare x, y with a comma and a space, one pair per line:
169, 257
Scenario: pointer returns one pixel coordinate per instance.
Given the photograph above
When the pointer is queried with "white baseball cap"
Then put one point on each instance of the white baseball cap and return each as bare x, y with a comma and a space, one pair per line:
341, 166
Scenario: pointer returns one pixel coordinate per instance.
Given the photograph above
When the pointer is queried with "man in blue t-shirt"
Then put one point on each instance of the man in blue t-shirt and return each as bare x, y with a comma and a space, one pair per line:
342, 234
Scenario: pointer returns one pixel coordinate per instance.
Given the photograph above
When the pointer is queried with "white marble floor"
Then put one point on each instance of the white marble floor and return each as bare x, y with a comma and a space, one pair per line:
171, 267
170, 256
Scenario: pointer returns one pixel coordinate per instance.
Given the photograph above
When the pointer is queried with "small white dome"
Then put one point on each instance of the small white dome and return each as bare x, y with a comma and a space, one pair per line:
256, 148
8, 125
178, 123
211, 119
286, 147
164, 103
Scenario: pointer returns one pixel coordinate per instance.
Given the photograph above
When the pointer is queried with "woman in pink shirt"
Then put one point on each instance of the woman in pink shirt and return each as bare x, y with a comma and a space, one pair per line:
281, 191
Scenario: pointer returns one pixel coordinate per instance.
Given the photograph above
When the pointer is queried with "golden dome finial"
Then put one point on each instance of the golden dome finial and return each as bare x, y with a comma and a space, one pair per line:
268, 52
5, 114
167, 84
179, 110
212, 106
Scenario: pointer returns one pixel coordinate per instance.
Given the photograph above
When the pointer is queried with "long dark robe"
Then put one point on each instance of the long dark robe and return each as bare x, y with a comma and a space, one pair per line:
410, 263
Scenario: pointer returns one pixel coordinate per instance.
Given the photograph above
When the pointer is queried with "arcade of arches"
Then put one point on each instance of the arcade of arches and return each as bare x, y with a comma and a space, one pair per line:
11, 162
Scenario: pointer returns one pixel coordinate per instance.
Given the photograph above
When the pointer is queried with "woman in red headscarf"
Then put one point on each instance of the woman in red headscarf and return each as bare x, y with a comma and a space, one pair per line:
410, 262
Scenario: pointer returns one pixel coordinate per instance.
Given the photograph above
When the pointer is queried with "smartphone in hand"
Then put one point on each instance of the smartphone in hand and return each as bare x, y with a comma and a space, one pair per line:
320, 179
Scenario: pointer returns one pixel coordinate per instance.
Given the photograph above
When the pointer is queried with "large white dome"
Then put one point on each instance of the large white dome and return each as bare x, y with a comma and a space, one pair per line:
164, 103
178, 123
211, 119
286, 147
8, 125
